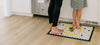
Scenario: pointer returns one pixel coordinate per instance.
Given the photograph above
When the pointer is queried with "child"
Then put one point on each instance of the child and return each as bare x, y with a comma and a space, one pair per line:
77, 6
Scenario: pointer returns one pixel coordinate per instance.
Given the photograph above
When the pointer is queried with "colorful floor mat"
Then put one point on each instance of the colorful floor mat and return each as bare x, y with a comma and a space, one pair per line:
85, 33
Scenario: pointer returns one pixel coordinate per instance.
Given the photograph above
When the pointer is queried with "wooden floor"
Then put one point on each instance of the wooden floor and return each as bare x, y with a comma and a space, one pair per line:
23, 30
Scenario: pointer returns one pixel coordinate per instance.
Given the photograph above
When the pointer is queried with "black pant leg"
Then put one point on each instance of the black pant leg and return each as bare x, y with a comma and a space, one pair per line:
50, 10
56, 11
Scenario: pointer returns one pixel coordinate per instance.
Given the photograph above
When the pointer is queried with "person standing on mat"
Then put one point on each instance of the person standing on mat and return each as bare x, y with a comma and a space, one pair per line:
77, 6
54, 12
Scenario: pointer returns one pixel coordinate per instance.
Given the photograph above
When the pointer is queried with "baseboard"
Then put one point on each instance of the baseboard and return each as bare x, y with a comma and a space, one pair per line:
82, 21
41, 15
70, 20
23, 14
99, 23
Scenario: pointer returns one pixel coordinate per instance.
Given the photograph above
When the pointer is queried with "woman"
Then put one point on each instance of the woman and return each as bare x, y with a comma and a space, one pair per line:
77, 6
54, 12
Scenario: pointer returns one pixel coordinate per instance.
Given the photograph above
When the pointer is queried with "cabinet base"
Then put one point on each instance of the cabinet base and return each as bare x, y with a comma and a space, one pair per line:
24, 14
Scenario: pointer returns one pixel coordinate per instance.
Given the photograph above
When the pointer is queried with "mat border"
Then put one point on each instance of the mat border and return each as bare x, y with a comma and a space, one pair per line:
72, 37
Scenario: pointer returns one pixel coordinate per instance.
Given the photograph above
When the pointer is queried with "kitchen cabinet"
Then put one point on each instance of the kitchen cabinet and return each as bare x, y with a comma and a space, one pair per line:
89, 13
30, 7
21, 7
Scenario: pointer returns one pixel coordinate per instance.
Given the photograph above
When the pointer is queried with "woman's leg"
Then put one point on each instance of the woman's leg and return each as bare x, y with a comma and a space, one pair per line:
74, 18
78, 18
56, 13
50, 12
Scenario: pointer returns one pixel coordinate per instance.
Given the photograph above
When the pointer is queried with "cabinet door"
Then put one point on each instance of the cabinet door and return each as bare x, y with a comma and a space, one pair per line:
41, 7
88, 14
99, 11
21, 6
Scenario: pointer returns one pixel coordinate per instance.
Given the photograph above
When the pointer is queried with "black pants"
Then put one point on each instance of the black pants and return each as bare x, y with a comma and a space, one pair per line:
54, 11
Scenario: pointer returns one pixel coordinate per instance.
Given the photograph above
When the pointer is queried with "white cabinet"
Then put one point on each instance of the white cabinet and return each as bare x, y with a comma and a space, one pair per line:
88, 14
21, 7
41, 7
98, 12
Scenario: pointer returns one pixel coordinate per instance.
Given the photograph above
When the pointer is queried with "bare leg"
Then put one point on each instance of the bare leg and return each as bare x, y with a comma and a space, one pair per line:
78, 18
74, 18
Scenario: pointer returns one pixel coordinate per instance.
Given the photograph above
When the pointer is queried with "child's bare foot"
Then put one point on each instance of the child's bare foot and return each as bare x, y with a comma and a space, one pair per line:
78, 26
74, 25
56, 31
50, 25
